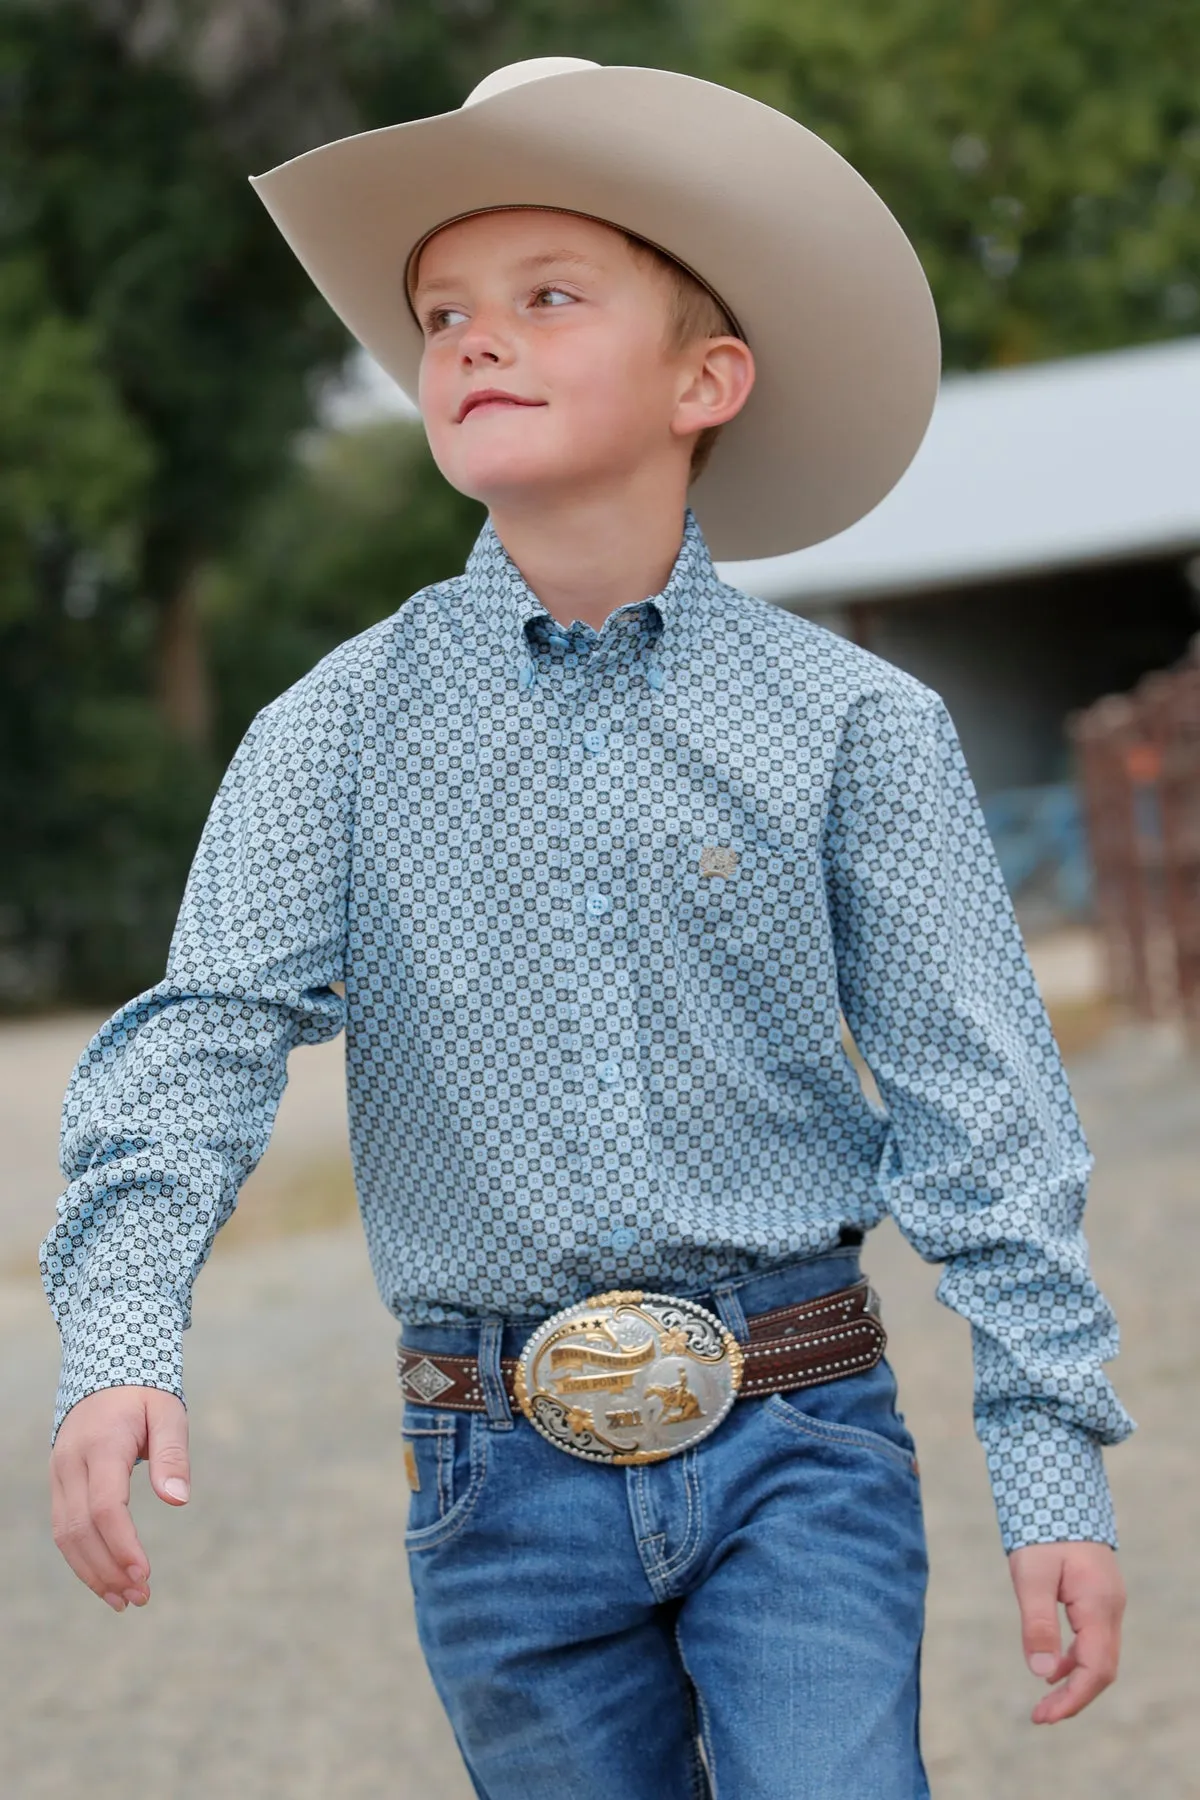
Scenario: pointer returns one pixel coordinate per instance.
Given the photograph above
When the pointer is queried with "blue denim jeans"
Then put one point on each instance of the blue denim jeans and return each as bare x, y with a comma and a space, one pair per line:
740, 1621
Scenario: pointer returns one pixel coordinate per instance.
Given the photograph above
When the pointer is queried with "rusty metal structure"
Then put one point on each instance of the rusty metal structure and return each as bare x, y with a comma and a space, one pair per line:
1138, 763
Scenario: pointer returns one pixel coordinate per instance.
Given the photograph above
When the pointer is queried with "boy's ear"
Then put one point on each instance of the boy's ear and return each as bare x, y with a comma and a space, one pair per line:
718, 386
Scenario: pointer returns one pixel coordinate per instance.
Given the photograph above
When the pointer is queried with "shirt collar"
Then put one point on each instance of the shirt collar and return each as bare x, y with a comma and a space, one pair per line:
507, 603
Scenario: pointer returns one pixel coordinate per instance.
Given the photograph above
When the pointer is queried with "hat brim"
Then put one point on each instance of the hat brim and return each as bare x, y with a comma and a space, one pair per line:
829, 291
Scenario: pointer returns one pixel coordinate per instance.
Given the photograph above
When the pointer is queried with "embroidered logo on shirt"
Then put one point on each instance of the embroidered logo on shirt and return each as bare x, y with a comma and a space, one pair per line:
717, 859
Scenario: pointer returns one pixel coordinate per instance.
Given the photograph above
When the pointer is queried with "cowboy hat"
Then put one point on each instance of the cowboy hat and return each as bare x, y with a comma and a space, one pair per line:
805, 257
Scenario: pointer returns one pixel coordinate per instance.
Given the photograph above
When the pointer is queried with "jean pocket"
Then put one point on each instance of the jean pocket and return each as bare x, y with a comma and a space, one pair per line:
445, 1460
789, 1410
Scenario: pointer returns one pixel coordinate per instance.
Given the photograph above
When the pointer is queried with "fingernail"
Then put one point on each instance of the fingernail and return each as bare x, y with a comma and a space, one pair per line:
1042, 1663
136, 1575
115, 1601
176, 1487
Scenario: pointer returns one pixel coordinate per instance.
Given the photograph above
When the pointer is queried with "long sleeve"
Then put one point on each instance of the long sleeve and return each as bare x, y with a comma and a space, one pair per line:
985, 1166
171, 1104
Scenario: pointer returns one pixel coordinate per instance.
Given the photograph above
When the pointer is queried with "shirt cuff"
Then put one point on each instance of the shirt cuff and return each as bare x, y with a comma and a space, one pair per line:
1047, 1478
125, 1338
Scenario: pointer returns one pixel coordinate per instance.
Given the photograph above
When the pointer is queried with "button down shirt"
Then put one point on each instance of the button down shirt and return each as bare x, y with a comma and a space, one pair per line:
599, 901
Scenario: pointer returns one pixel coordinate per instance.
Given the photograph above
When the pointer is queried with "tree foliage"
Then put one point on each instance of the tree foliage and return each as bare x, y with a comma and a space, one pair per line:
74, 464
362, 521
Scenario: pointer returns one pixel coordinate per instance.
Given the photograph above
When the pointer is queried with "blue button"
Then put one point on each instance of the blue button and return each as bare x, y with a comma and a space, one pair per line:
623, 1238
609, 1071
597, 905
654, 676
595, 741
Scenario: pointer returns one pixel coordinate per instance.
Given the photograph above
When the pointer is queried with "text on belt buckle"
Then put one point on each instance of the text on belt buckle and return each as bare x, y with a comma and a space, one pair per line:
628, 1377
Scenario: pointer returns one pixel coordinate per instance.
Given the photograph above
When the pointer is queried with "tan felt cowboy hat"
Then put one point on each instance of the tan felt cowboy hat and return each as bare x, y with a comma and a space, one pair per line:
804, 255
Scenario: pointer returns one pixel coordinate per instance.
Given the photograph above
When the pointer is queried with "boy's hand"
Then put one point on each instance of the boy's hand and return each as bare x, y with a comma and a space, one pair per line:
98, 1443
1087, 1581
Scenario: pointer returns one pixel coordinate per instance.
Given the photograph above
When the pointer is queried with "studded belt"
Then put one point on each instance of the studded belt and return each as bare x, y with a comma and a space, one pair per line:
632, 1377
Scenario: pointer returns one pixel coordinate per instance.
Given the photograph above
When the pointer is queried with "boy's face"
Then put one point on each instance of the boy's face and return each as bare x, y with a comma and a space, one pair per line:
555, 311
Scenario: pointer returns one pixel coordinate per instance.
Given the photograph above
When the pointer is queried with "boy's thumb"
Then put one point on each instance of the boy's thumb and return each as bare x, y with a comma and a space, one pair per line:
170, 1473
1036, 1579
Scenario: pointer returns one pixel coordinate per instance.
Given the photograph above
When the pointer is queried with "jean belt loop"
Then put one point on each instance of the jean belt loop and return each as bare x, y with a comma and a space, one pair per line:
729, 1307
491, 1380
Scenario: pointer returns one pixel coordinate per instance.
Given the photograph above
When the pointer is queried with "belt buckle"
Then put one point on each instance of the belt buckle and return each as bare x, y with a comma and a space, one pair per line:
628, 1377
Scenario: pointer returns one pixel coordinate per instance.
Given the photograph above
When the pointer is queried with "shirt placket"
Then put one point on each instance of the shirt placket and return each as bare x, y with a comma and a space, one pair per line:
595, 683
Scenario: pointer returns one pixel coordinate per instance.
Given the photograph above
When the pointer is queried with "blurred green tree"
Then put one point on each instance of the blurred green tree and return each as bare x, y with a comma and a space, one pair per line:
74, 470
362, 520
156, 346
1044, 155
145, 230
69, 452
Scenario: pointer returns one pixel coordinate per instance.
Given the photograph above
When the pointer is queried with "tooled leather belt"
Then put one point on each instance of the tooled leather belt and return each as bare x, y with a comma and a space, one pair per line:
662, 1372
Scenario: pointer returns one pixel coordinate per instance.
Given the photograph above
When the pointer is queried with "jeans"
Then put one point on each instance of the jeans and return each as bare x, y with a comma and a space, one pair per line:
741, 1621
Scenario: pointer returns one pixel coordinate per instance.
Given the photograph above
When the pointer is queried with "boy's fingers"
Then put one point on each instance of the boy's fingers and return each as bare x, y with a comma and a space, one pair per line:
1095, 1668
1085, 1576
170, 1470
108, 1502
76, 1535
1095, 1614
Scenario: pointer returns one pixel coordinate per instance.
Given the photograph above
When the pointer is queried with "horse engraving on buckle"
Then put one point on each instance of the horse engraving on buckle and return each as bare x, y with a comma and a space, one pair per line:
628, 1377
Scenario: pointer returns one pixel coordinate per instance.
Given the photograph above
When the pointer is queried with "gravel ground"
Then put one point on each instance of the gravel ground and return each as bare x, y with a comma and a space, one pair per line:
278, 1661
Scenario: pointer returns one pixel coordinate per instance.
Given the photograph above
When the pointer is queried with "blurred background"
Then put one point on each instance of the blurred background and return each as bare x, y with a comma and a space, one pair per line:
203, 488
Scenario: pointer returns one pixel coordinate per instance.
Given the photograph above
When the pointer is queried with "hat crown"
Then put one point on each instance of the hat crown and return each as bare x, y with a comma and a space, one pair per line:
532, 69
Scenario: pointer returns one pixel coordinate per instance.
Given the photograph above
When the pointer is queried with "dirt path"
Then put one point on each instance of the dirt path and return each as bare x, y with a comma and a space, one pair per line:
277, 1660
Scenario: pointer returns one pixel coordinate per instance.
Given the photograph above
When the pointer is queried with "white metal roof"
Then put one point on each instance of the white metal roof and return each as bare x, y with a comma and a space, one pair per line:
1037, 467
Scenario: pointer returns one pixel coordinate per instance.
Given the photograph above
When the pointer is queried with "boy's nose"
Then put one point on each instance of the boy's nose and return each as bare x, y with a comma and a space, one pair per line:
483, 341
481, 353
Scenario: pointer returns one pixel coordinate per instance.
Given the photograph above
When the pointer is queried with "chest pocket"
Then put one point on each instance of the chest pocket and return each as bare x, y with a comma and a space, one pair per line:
732, 901
710, 891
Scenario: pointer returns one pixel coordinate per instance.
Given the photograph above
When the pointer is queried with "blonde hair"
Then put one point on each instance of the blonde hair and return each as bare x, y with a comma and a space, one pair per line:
692, 312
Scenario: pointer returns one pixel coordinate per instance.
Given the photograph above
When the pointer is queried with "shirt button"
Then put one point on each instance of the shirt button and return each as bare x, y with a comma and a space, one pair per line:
609, 1071
595, 741
597, 905
623, 1238
654, 676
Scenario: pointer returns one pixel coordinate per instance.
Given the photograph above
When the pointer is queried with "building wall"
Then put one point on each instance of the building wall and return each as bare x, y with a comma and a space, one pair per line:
1013, 659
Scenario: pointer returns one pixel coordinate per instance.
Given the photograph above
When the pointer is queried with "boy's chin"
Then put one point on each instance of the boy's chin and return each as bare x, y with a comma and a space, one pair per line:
523, 484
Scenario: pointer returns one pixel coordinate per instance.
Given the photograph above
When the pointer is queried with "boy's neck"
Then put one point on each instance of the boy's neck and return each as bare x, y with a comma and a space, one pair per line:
585, 557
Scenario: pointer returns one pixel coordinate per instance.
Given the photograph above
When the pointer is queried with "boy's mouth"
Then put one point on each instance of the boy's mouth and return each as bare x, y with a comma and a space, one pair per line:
492, 397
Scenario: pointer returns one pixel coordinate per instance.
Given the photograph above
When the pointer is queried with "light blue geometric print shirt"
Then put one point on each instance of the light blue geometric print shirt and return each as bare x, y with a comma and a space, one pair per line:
596, 898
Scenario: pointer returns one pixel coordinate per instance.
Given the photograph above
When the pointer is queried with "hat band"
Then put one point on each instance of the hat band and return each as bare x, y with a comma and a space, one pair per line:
534, 206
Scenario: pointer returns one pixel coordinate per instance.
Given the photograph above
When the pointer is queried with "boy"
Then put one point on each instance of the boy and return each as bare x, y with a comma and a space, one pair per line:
600, 873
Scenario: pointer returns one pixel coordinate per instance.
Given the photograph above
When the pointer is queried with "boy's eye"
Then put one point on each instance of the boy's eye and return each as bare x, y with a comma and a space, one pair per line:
442, 318
440, 315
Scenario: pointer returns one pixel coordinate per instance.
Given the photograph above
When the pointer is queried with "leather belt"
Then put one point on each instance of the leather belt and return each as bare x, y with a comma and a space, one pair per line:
789, 1347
